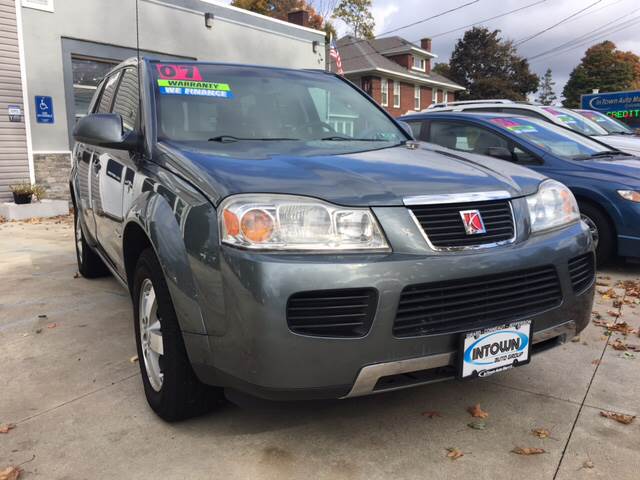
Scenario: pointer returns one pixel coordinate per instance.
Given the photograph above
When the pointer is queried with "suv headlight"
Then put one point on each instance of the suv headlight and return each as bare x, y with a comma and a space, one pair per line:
552, 206
630, 195
287, 222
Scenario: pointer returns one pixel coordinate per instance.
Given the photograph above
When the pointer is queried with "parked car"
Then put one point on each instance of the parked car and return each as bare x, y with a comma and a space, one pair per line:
605, 181
610, 124
282, 236
558, 115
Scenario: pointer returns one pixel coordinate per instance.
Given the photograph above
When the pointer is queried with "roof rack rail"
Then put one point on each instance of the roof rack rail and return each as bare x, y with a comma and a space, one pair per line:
467, 102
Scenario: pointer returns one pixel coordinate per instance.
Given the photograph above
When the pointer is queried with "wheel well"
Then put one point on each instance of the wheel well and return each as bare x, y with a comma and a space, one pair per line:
134, 242
605, 214
73, 197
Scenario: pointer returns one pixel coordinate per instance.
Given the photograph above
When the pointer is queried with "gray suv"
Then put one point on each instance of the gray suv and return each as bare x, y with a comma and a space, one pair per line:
282, 236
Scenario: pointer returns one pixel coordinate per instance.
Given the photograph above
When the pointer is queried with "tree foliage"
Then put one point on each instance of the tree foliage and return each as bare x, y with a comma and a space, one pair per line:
546, 93
603, 67
490, 67
357, 15
280, 9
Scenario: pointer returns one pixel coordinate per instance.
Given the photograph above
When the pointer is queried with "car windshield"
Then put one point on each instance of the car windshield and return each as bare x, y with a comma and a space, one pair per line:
198, 102
611, 125
575, 122
552, 138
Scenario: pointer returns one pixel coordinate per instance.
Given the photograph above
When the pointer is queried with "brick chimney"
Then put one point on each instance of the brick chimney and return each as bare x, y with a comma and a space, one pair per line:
425, 44
299, 17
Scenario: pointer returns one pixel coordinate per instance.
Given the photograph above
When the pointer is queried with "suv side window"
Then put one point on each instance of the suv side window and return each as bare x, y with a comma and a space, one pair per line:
418, 128
126, 101
465, 137
104, 105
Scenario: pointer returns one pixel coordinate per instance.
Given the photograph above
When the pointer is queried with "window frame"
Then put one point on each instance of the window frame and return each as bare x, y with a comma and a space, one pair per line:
434, 95
396, 83
422, 67
136, 121
384, 92
538, 160
417, 92
118, 74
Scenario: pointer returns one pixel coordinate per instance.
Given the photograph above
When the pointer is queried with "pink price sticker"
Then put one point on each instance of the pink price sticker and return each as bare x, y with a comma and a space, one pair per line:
178, 72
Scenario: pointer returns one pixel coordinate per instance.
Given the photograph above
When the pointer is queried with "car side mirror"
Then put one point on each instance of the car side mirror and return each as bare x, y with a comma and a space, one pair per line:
105, 130
500, 152
407, 128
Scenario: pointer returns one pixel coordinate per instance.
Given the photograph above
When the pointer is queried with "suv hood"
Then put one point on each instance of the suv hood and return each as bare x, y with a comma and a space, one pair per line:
374, 178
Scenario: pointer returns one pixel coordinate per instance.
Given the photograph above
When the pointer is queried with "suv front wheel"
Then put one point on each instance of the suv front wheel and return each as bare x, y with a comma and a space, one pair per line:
170, 385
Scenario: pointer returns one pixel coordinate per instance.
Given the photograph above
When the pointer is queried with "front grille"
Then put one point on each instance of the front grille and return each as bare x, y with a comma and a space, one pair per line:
582, 271
443, 225
332, 313
467, 304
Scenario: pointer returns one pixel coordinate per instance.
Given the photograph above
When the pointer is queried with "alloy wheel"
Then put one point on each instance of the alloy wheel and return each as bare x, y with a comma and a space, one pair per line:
150, 334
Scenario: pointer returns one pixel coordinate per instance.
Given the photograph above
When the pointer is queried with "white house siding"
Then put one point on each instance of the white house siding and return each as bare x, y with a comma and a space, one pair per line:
14, 162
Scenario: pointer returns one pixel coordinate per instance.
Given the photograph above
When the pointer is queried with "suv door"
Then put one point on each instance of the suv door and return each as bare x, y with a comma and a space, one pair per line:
115, 169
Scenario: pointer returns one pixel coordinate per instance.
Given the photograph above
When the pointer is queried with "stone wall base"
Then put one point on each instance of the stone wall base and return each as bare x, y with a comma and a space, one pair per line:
52, 171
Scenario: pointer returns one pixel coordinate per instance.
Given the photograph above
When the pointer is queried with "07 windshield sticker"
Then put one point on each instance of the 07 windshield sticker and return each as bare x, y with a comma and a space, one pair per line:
513, 126
178, 72
194, 88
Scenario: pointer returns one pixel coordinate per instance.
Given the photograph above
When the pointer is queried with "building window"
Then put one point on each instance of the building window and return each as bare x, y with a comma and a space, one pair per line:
46, 5
396, 94
434, 95
384, 92
416, 97
87, 74
419, 64
444, 96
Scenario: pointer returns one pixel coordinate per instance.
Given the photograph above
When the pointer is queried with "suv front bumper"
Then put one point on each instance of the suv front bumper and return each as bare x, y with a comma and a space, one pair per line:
258, 354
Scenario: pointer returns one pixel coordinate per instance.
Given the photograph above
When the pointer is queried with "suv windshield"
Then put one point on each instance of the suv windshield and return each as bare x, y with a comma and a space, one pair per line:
199, 102
611, 125
552, 138
575, 121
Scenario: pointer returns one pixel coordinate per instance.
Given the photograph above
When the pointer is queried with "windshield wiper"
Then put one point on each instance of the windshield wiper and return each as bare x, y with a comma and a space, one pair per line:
611, 153
338, 138
231, 138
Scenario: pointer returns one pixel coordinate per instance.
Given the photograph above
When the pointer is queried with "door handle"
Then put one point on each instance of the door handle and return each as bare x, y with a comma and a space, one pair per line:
96, 167
128, 184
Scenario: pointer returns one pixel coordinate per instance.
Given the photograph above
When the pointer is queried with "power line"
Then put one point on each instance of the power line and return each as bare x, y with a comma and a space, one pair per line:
537, 34
594, 33
630, 23
489, 19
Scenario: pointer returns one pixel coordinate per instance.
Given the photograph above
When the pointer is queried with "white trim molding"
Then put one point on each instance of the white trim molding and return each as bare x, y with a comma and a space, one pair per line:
413, 78
26, 105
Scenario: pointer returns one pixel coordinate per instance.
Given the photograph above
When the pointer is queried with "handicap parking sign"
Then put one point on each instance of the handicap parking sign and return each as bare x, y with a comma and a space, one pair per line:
44, 109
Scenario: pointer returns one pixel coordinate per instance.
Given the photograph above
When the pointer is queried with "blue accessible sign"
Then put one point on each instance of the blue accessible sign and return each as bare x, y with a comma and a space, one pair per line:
44, 109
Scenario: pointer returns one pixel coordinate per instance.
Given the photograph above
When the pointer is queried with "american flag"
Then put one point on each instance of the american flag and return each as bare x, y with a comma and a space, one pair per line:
333, 51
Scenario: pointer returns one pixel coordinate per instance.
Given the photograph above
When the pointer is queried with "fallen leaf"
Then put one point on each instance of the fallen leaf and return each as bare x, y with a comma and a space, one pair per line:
588, 464
5, 427
576, 339
42, 315
619, 345
38, 330
429, 414
528, 450
76, 275
134, 359
628, 356
602, 283
596, 362
477, 412
541, 432
596, 315
479, 425
10, 473
618, 417
52, 325
613, 313
454, 453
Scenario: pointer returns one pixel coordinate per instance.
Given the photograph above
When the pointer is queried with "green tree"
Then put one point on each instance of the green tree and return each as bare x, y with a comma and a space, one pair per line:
602, 67
546, 93
357, 15
442, 69
489, 67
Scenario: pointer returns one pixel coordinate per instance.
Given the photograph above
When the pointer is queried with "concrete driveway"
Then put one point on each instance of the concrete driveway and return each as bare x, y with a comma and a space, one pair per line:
69, 386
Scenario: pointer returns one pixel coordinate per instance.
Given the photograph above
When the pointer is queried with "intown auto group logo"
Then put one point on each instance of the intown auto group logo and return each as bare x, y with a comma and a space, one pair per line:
472, 221
496, 347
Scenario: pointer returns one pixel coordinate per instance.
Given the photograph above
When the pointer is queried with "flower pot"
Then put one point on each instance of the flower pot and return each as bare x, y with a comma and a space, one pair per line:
22, 198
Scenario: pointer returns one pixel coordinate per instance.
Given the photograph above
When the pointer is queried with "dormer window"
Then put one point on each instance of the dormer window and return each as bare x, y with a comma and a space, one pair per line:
419, 63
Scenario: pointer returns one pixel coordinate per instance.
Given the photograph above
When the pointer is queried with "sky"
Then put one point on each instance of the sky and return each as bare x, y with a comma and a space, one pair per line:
606, 15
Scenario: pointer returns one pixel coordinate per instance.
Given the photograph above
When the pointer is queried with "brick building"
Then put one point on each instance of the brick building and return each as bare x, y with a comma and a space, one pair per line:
395, 72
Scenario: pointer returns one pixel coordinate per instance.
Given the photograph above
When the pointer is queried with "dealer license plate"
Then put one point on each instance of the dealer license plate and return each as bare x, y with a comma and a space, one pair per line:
493, 350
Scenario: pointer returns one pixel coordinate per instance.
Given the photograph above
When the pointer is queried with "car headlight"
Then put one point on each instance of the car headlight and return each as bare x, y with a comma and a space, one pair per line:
553, 206
631, 195
287, 222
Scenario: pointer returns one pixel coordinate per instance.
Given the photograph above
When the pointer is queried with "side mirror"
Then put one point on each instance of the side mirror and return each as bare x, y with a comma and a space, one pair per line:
407, 128
500, 152
104, 130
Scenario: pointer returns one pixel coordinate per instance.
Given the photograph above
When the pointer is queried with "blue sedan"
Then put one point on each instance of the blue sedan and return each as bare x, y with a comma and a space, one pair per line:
605, 181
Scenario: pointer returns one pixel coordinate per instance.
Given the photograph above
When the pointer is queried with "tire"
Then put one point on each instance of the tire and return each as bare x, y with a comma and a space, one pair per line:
90, 265
170, 385
601, 230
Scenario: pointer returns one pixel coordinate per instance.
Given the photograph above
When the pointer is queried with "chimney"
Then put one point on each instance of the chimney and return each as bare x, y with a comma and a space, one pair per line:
299, 17
425, 44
